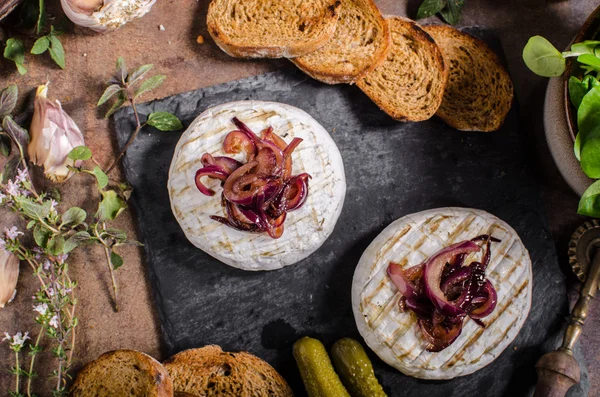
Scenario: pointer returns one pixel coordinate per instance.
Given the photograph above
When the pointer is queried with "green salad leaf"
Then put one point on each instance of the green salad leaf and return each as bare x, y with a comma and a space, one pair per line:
542, 58
577, 90
589, 204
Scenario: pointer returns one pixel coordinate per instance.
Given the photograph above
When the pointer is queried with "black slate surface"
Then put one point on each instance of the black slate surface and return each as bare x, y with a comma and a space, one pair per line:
392, 169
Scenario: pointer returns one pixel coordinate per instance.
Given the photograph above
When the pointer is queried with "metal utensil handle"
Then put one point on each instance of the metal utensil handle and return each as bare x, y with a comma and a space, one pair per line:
558, 371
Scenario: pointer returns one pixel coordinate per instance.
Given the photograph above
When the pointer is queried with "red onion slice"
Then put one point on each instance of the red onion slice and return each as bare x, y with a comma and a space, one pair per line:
439, 336
405, 286
238, 142
486, 308
211, 171
298, 193
432, 276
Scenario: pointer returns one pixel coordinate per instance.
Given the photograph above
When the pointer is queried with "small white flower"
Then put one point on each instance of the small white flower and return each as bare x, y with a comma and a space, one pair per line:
12, 188
53, 205
50, 291
17, 341
12, 233
47, 265
41, 308
54, 321
22, 175
2, 244
6, 337
62, 258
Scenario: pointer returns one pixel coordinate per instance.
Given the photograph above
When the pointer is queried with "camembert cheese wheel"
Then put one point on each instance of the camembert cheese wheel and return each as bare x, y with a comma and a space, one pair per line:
394, 335
305, 229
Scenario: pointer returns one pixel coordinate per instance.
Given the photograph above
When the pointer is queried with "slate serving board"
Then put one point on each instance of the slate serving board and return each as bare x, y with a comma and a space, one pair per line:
392, 169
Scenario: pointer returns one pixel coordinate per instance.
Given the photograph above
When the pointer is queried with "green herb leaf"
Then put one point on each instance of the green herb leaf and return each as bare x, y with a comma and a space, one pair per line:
41, 45
164, 121
139, 73
74, 216
108, 93
121, 70
41, 235
120, 236
588, 112
101, 177
18, 134
56, 245
116, 260
57, 52
430, 7
150, 84
10, 169
15, 51
589, 205
8, 100
542, 58
577, 147
5, 145
591, 60
75, 240
117, 105
32, 209
451, 13
577, 90
585, 47
31, 224
590, 152
41, 17
111, 206
80, 153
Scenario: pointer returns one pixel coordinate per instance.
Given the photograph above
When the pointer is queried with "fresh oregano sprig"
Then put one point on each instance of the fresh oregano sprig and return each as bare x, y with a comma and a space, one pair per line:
127, 87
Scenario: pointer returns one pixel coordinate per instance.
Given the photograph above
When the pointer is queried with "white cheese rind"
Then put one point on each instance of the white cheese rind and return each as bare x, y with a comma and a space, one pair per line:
305, 229
393, 334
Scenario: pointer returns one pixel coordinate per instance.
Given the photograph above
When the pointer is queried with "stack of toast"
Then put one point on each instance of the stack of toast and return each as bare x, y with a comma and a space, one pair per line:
411, 72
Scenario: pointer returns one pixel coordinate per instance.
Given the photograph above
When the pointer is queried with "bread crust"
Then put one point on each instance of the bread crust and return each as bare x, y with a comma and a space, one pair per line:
335, 75
210, 372
162, 386
497, 92
408, 34
295, 48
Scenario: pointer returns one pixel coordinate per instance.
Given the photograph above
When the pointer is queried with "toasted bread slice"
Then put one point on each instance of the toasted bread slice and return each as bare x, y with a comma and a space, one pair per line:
210, 372
359, 45
409, 84
270, 28
123, 373
479, 93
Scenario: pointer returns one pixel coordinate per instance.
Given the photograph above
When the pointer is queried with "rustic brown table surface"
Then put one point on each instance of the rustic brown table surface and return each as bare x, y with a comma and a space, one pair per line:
189, 65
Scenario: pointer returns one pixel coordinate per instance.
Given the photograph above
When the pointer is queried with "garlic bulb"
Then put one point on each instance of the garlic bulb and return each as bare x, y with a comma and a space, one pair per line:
9, 274
105, 15
53, 135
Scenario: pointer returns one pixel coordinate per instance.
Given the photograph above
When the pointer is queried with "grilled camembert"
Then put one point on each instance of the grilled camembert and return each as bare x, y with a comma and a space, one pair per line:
306, 229
393, 333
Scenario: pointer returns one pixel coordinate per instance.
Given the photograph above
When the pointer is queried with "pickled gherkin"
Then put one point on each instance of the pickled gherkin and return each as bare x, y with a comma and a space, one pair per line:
355, 369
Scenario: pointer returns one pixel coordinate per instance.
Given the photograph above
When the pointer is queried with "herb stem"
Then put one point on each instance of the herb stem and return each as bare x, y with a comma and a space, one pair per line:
110, 266
17, 371
31, 365
133, 136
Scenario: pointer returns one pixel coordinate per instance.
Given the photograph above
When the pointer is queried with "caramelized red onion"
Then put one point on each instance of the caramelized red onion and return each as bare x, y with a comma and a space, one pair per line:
257, 195
443, 291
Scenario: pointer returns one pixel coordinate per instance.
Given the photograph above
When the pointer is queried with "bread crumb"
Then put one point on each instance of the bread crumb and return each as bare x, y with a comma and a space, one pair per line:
161, 28
200, 39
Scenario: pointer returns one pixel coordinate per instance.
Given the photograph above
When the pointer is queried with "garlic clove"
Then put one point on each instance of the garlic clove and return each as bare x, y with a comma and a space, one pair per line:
105, 16
9, 275
53, 135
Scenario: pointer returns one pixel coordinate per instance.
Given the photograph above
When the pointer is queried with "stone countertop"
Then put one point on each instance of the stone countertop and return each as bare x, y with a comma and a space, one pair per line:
189, 65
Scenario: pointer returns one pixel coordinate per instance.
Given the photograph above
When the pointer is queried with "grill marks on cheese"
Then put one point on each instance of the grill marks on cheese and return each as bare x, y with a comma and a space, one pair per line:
305, 229
415, 240
359, 45
272, 28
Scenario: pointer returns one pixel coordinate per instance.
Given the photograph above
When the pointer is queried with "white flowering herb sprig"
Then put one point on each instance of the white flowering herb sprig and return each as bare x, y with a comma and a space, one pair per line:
55, 234
16, 343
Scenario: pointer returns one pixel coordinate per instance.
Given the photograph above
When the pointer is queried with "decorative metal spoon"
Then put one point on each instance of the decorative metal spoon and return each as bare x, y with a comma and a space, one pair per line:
558, 371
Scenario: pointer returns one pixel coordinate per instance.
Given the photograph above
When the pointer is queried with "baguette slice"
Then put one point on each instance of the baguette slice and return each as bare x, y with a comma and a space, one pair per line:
359, 45
271, 28
123, 373
210, 372
409, 84
479, 93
